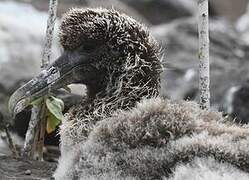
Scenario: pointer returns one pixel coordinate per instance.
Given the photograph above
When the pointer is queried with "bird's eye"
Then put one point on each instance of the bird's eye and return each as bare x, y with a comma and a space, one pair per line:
87, 48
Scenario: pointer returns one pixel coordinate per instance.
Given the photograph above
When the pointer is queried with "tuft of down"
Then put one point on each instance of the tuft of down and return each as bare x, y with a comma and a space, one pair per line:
160, 139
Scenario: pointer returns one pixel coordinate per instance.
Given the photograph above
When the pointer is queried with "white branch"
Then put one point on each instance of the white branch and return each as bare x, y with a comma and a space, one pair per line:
31, 132
37, 114
49, 34
204, 74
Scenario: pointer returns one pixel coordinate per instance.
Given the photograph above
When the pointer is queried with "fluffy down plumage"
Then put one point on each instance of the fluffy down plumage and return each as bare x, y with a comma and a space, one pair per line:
160, 139
126, 132
127, 56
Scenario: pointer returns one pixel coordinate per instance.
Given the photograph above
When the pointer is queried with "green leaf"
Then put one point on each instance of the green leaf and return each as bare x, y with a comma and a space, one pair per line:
37, 102
52, 122
54, 114
55, 106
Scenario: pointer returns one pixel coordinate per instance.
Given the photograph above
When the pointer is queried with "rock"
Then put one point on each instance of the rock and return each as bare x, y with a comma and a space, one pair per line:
120, 6
242, 26
27, 172
146, 11
228, 59
64, 5
161, 11
229, 9
156, 11
237, 103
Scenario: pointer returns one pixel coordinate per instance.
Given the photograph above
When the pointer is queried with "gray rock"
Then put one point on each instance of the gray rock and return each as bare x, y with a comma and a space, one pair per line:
229, 59
161, 11
120, 6
237, 103
229, 9
242, 26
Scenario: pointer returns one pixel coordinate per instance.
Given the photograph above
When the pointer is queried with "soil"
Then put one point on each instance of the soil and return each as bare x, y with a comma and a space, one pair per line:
18, 168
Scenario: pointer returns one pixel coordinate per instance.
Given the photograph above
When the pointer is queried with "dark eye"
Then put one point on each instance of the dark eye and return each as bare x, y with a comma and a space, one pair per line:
87, 48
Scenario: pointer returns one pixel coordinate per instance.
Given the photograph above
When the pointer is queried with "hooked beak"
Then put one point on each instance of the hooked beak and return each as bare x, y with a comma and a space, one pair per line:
68, 68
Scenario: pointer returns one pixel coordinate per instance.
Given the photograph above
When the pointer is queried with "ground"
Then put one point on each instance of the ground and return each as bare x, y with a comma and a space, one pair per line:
11, 168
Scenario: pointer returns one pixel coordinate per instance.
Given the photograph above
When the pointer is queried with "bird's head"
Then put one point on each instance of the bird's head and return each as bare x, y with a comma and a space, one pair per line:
109, 52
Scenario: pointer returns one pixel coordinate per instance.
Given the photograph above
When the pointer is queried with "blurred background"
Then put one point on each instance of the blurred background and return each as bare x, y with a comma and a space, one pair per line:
172, 22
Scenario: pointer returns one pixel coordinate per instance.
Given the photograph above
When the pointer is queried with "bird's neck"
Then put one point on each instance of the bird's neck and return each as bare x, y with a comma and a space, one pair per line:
104, 101
120, 89
119, 93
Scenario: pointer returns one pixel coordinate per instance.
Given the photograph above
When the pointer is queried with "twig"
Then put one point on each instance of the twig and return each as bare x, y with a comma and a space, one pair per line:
11, 144
37, 129
41, 136
28, 149
204, 74
49, 34
45, 62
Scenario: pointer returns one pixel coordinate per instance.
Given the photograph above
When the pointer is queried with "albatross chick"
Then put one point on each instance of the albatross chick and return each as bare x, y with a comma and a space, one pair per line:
122, 130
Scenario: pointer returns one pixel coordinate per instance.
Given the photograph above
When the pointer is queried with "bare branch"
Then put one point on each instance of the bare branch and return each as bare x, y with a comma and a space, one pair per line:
11, 144
204, 74
28, 150
35, 128
49, 34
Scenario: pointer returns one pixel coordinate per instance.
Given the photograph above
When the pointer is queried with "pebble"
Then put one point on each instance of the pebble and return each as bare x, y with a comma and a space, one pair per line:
28, 172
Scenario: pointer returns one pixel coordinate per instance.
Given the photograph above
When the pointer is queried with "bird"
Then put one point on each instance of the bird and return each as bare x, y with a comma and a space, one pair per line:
123, 128
127, 58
